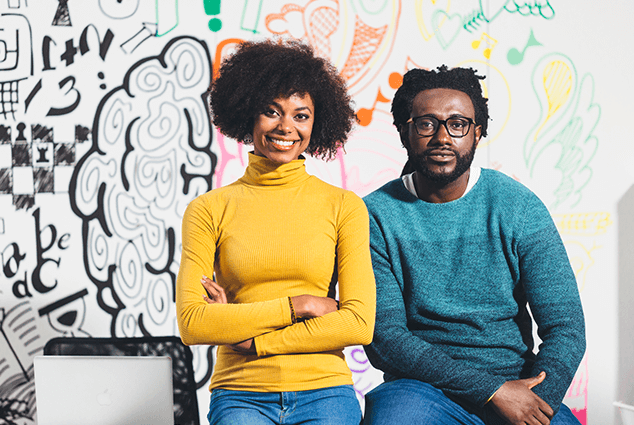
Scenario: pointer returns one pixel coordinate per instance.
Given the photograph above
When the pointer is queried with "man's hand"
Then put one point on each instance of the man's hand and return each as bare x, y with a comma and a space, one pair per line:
309, 306
518, 405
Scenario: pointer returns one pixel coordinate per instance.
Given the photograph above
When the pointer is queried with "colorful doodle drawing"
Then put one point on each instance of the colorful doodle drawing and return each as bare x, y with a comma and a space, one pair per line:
150, 156
531, 8
515, 57
251, 14
166, 20
166, 16
446, 27
583, 224
424, 9
378, 144
577, 395
564, 131
502, 105
364, 376
488, 44
357, 42
581, 260
212, 8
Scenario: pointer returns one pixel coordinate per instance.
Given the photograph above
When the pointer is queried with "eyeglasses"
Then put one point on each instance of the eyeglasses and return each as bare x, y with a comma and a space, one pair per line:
427, 126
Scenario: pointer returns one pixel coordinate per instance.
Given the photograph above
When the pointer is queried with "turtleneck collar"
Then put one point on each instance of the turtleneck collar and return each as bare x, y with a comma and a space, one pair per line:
261, 171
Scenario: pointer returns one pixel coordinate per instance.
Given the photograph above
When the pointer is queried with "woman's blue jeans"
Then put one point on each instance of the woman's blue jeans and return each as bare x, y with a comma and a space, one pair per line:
412, 402
326, 406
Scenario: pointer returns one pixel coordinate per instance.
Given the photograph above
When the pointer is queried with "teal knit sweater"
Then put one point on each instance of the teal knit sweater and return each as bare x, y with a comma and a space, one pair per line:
453, 284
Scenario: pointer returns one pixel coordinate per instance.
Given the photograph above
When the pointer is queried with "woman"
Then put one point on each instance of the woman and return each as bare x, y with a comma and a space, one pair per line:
278, 240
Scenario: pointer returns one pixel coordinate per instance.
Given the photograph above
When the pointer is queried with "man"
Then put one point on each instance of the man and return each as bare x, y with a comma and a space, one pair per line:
459, 253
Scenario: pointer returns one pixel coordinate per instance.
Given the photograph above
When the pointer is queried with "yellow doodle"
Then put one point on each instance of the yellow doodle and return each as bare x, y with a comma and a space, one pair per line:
557, 81
583, 224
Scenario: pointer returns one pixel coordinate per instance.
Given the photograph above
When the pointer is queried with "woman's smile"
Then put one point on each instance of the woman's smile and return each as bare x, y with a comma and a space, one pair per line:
282, 132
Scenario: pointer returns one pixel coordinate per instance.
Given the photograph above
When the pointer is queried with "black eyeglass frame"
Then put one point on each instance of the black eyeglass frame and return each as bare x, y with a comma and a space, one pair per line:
443, 122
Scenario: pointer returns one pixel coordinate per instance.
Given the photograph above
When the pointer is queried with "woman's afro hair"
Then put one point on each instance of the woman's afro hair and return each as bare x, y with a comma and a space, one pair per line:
462, 79
260, 71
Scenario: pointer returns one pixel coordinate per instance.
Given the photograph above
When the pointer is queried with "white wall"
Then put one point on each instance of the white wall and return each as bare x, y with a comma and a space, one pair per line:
66, 173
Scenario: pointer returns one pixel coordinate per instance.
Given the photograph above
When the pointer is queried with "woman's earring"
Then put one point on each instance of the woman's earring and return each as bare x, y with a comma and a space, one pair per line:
248, 139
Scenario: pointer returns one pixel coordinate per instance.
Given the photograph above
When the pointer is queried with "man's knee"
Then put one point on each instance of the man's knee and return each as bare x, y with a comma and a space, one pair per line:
565, 417
408, 401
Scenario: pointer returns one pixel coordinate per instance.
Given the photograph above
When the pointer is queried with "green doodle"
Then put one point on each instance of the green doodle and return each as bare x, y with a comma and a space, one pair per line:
532, 8
564, 129
448, 27
255, 18
166, 16
373, 7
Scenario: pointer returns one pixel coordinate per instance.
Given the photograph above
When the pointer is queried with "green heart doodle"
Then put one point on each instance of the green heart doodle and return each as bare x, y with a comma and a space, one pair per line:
451, 20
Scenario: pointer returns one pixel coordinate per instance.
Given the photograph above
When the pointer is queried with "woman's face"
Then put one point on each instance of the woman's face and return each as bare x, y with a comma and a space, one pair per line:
282, 132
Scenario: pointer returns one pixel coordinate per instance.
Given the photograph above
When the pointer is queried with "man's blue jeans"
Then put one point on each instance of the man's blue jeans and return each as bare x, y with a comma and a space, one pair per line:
326, 406
408, 401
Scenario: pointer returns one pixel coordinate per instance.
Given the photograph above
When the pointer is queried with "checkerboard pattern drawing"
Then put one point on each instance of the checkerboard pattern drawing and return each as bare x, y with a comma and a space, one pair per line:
32, 162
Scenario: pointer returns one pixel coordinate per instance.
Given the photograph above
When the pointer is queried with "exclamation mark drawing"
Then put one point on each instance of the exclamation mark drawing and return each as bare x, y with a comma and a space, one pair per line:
212, 7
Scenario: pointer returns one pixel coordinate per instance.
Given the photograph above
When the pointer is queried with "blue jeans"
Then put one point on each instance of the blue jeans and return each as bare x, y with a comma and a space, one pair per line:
408, 401
326, 406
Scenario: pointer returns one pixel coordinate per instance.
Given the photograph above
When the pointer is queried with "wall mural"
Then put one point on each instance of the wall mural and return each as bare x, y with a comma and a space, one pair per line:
105, 138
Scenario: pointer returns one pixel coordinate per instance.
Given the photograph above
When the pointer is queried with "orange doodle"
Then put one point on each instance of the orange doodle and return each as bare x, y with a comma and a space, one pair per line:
357, 43
317, 22
364, 114
222, 49
366, 42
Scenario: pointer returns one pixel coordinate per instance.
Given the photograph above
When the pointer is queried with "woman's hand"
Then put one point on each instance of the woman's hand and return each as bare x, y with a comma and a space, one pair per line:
309, 306
216, 293
217, 296
246, 347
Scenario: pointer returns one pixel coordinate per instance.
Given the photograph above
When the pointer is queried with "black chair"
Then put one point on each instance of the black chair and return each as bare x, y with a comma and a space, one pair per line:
185, 400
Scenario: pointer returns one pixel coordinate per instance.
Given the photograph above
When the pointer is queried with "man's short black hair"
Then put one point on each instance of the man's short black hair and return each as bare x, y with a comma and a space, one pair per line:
260, 71
463, 79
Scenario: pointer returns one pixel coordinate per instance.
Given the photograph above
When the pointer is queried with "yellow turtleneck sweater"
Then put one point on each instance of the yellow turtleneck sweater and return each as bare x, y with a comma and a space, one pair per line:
274, 233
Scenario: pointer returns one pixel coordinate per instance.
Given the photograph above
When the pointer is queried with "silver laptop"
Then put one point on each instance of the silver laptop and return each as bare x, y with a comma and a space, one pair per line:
98, 390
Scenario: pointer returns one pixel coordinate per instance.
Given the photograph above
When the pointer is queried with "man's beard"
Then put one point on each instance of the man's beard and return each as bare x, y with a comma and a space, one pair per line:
463, 162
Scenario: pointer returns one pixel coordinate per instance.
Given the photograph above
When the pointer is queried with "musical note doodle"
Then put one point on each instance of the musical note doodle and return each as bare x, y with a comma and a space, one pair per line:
489, 42
515, 57
364, 114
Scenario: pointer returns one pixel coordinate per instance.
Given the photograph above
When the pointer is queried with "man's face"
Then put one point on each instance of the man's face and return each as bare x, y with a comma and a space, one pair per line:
441, 158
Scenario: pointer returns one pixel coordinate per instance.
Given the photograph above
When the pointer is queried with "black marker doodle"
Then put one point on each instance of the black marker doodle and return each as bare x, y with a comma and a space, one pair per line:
20, 341
68, 314
101, 77
148, 30
62, 15
150, 156
36, 164
16, 63
117, 9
